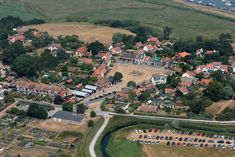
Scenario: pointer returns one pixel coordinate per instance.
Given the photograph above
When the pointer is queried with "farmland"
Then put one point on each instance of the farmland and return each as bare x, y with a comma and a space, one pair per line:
86, 32
157, 14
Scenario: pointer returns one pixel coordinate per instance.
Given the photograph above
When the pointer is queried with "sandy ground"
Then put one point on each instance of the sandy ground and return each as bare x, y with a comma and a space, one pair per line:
137, 73
208, 9
218, 107
86, 32
51, 125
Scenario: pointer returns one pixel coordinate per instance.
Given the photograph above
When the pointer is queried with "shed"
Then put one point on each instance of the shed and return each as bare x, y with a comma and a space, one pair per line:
87, 91
79, 93
93, 88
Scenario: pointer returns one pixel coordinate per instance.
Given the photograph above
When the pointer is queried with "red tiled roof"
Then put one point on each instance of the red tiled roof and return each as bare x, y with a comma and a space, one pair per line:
148, 108
87, 61
184, 54
154, 39
205, 81
183, 90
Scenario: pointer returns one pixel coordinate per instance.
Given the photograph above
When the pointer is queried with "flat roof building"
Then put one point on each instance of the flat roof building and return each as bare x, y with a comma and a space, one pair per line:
93, 88
87, 91
80, 93
70, 117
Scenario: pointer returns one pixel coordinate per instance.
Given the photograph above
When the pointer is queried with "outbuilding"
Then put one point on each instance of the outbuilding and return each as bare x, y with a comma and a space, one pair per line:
68, 117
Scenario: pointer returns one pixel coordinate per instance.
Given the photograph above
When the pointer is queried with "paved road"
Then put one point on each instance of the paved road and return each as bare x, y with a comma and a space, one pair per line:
94, 140
104, 113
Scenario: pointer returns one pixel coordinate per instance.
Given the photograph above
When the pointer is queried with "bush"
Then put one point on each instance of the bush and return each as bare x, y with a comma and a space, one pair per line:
92, 114
90, 123
67, 107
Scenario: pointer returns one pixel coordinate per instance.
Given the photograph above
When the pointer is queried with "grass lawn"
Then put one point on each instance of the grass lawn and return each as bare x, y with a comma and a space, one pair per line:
166, 151
185, 21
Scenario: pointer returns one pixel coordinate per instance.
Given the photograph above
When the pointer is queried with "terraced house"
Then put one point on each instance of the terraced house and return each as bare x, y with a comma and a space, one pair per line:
34, 88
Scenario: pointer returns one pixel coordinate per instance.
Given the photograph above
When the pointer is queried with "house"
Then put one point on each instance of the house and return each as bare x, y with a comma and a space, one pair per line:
167, 104
103, 83
87, 61
138, 44
83, 52
107, 58
122, 96
139, 58
127, 57
183, 90
34, 88
210, 52
54, 47
199, 52
147, 108
159, 79
212, 67
68, 117
16, 37
157, 62
100, 71
153, 40
182, 55
149, 48
189, 76
205, 81
115, 51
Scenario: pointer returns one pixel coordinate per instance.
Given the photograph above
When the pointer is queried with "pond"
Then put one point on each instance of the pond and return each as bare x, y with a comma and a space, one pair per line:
104, 144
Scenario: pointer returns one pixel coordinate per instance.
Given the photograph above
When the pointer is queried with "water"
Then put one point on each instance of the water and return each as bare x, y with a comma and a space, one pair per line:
221, 4
104, 144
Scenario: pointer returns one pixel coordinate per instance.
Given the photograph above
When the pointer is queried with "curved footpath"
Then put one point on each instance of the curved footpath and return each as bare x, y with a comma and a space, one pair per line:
94, 140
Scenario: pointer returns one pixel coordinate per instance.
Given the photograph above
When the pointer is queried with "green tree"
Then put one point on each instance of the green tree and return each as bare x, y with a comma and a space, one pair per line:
132, 95
67, 107
131, 84
90, 123
25, 65
81, 108
118, 37
62, 55
214, 90
167, 32
96, 47
118, 76
11, 52
227, 93
37, 111
92, 114
58, 100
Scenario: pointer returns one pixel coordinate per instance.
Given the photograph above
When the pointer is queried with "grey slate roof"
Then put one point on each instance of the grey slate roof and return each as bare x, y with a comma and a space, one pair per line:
65, 115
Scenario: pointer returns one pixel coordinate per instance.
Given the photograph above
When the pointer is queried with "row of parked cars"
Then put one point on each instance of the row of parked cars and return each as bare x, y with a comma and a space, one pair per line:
184, 138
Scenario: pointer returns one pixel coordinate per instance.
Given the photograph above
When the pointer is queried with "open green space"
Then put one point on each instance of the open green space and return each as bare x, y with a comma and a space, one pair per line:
186, 22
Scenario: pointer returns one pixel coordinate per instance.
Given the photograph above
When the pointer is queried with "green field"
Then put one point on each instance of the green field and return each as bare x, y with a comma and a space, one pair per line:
186, 22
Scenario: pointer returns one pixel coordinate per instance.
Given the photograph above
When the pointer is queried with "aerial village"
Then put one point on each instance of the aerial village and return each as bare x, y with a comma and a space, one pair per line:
74, 79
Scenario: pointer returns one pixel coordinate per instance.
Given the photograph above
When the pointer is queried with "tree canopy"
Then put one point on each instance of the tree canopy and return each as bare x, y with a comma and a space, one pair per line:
25, 65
